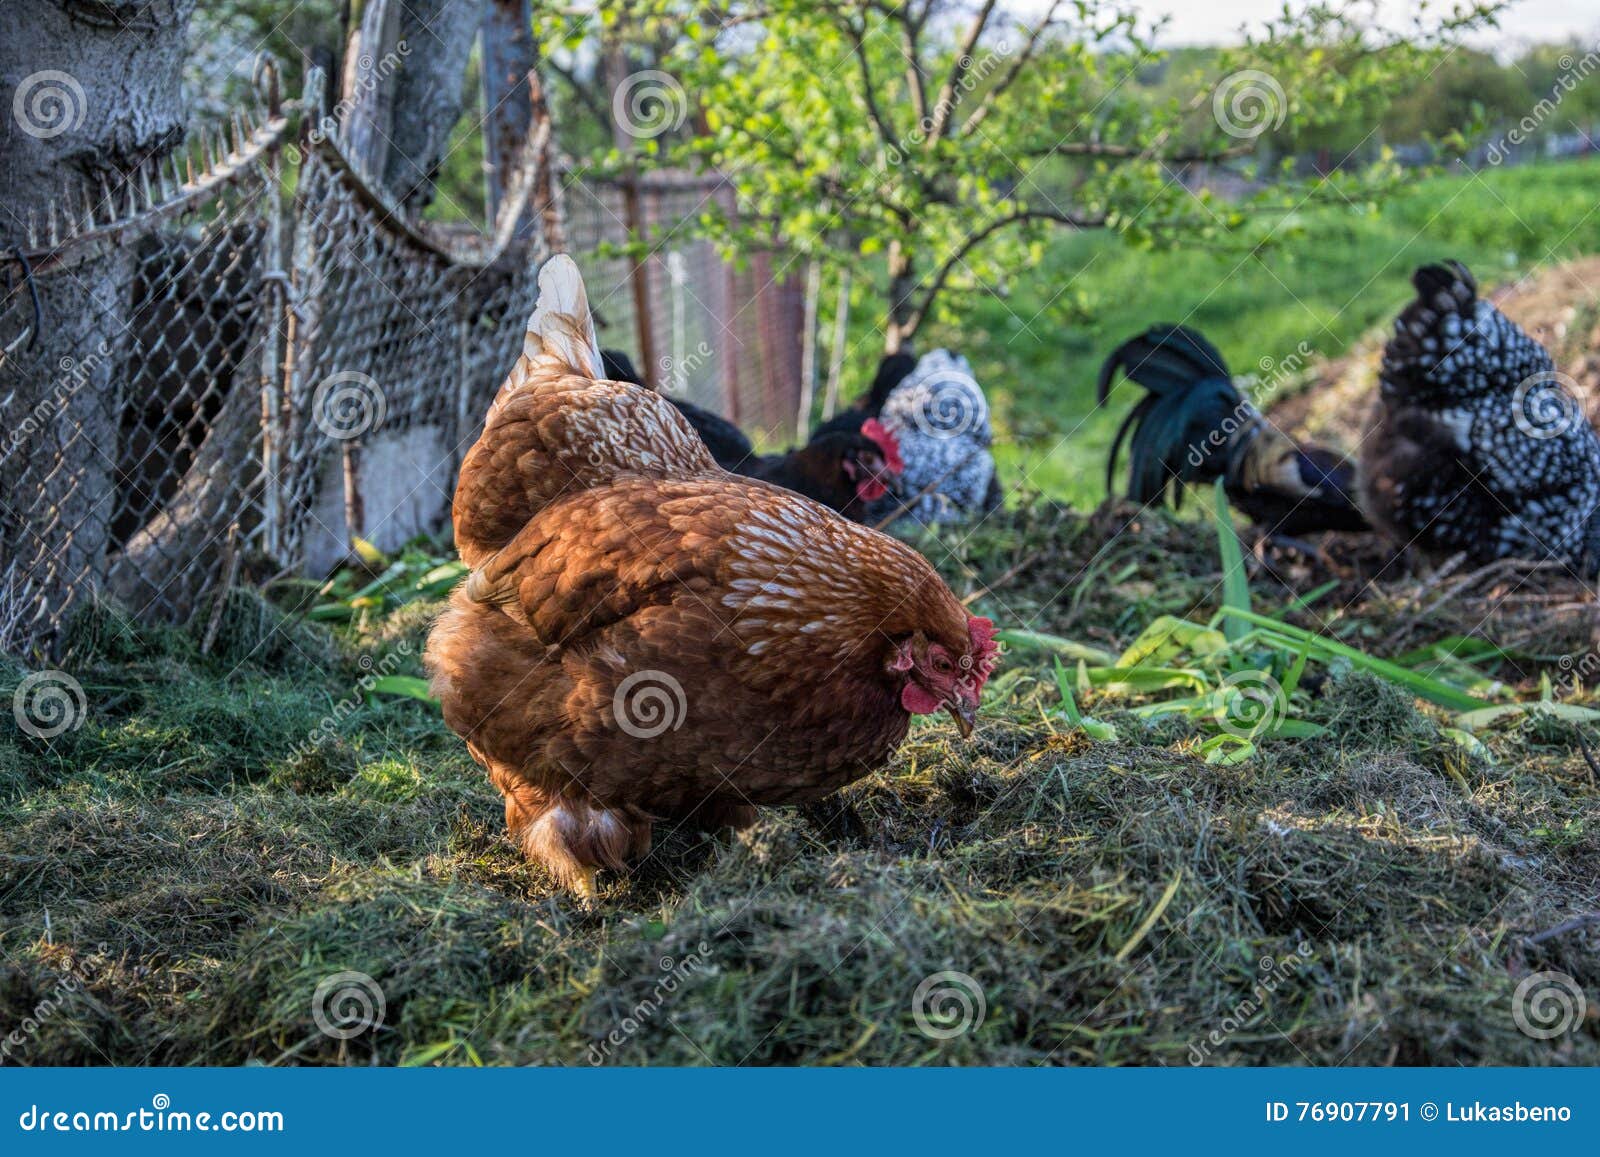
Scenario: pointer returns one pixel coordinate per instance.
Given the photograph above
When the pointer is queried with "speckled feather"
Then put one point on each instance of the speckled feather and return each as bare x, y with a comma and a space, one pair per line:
941, 418
1475, 445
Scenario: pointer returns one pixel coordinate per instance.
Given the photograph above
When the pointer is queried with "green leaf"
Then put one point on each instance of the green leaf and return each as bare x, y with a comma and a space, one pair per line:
1168, 637
1321, 646
408, 686
1235, 582
1105, 732
1468, 742
1226, 750
1142, 680
368, 553
1034, 640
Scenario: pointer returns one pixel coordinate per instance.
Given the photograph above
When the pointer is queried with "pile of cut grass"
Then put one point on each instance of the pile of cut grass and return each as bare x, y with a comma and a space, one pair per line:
202, 871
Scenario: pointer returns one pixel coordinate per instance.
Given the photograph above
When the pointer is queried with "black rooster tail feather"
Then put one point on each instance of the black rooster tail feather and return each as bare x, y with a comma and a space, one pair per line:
1179, 430
1164, 359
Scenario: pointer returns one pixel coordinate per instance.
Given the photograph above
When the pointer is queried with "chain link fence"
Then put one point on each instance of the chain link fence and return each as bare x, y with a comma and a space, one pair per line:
271, 369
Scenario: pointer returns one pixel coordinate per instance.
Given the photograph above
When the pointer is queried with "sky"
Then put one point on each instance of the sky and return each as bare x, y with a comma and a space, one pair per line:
1218, 21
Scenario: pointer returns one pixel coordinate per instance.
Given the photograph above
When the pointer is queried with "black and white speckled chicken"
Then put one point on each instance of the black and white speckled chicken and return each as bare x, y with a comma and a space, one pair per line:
1193, 425
1476, 445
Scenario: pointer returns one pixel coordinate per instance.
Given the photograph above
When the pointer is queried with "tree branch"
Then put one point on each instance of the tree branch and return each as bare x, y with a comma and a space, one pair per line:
909, 31
869, 88
1130, 152
986, 101
947, 95
978, 237
582, 91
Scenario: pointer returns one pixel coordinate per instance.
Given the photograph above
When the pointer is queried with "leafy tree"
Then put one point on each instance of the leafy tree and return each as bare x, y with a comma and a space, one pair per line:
945, 138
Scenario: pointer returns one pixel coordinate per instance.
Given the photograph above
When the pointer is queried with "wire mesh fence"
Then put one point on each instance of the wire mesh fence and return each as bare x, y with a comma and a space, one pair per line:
129, 467
725, 338
270, 368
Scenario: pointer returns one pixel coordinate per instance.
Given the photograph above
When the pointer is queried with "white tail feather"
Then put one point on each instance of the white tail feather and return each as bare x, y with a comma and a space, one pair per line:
561, 324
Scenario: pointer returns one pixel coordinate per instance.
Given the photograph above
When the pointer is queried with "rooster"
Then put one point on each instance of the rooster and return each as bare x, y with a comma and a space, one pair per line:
1475, 445
845, 470
658, 639
1193, 425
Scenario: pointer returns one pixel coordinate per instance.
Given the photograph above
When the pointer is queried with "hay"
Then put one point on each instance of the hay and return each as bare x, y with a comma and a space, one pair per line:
1395, 885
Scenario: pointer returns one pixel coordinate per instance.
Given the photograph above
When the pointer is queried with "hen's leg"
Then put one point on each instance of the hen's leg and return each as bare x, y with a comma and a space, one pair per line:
571, 837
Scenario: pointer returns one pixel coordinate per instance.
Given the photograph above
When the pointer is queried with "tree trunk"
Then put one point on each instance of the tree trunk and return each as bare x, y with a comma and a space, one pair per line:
902, 284
508, 58
96, 92
403, 89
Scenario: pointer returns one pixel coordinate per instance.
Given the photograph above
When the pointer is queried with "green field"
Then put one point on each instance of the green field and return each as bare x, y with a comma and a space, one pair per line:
1335, 275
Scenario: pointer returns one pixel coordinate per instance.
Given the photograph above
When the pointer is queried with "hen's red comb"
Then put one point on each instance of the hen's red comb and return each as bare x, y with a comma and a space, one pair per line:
887, 442
985, 651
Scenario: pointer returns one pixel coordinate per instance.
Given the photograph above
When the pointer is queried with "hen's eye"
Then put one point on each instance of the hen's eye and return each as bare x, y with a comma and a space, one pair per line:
941, 664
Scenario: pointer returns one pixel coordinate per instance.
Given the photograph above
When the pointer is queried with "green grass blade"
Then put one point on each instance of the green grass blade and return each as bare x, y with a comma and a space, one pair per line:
1037, 641
1423, 687
1235, 582
407, 685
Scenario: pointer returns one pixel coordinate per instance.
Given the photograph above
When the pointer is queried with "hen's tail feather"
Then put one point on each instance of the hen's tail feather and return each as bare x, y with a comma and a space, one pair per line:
562, 325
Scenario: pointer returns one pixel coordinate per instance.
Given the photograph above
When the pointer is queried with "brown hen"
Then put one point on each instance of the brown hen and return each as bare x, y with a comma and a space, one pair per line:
658, 640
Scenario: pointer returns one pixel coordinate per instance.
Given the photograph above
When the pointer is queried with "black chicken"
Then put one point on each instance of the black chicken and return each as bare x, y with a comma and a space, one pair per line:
845, 470
892, 370
1475, 444
1195, 426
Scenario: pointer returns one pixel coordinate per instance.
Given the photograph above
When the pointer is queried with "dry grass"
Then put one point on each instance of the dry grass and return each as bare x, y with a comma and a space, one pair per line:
1113, 901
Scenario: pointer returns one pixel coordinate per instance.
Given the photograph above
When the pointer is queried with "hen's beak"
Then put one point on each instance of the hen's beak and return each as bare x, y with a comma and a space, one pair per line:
965, 715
